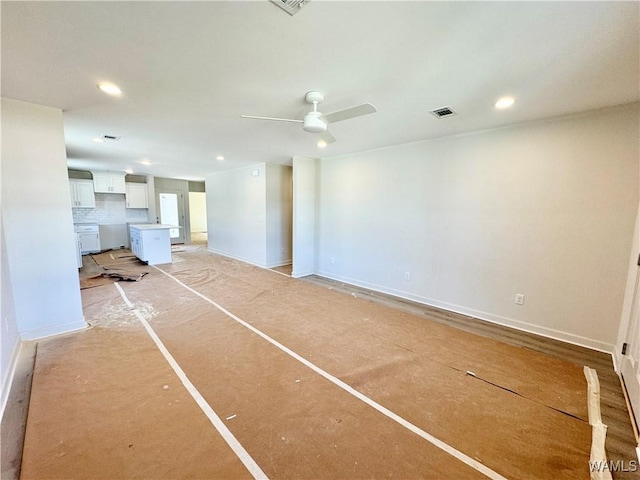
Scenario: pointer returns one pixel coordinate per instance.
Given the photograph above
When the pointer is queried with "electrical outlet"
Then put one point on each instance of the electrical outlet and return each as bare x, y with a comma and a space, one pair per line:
407, 276
519, 299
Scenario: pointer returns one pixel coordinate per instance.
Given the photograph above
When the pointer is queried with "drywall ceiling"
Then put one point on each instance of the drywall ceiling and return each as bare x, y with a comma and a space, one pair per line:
188, 70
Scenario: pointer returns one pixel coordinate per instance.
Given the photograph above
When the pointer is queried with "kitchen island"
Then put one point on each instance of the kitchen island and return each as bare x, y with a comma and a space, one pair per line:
150, 242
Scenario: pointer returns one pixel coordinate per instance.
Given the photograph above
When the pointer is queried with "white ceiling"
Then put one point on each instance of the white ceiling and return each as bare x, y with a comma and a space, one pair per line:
188, 70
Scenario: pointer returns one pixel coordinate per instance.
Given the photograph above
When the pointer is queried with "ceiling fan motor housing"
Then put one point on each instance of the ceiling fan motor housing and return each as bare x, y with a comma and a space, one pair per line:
313, 123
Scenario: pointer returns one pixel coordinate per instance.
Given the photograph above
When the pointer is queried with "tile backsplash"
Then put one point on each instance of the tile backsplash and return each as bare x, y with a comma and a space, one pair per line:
110, 209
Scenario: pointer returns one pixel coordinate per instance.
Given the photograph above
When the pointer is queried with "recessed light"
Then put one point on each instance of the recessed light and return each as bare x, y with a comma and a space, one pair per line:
109, 88
129, 171
504, 102
220, 158
322, 144
145, 161
97, 140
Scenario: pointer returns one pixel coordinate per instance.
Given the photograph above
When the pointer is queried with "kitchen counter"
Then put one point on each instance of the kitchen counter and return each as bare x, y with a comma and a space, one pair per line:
152, 226
150, 242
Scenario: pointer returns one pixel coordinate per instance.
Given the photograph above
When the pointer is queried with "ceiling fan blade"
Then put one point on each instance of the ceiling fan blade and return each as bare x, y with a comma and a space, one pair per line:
272, 118
348, 113
327, 137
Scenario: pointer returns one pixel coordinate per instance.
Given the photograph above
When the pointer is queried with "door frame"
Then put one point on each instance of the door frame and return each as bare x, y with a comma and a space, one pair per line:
181, 238
630, 360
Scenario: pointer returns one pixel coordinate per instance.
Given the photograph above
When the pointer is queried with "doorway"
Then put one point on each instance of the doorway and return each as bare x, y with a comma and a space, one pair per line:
630, 368
171, 208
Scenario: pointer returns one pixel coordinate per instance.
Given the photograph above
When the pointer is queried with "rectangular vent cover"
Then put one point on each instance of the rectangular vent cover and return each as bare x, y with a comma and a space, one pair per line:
290, 6
443, 112
110, 138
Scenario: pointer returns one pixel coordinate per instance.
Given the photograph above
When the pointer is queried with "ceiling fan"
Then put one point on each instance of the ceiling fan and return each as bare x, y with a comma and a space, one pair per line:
317, 122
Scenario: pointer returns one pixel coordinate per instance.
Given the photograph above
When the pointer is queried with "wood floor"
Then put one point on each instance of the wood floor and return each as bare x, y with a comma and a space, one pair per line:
621, 441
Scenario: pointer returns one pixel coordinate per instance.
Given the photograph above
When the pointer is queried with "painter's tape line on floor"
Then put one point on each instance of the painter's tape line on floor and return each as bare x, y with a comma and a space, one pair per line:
598, 429
226, 434
279, 273
372, 403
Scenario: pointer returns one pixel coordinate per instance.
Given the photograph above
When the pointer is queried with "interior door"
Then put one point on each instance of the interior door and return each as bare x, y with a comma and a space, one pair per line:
630, 368
171, 208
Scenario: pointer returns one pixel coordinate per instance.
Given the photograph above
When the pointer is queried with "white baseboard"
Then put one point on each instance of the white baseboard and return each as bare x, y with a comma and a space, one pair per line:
279, 263
504, 321
53, 330
302, 274
236, 257
8, 380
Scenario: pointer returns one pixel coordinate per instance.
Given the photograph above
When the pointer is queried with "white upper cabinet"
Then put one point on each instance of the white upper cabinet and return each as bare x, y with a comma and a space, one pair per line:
136, 196
108, 182
82, 193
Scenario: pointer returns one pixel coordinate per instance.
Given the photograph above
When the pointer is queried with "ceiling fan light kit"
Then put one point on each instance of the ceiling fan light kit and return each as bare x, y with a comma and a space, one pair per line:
316, 122
313, 123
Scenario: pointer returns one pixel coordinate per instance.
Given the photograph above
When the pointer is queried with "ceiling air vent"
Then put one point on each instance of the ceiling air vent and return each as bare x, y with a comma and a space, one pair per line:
290, 6
110, 138
443, 112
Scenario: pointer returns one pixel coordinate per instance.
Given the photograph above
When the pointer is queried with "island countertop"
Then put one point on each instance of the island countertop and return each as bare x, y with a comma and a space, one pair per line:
153, 226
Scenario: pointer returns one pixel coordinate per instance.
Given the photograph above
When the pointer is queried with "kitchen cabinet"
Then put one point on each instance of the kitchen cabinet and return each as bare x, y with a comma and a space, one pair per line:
151, 242
136, 195
88, 237
108, 182
82, 193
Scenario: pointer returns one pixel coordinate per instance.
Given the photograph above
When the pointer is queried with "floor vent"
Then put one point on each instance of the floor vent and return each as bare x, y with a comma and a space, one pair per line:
290, 6
443, 112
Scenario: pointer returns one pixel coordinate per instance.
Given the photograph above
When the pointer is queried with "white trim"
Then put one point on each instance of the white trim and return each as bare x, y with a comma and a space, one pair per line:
302, 274
281, 263
617, 360
235, 257
467, 460
7, 382
53, 330
504, 321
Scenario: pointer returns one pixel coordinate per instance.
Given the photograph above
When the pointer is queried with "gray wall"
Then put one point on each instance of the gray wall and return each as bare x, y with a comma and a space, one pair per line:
162, 184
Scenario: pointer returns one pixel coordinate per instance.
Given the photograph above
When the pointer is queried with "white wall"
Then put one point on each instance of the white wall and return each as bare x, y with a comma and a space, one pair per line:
544, 209
198, 211
236, 213
249, 214
304, 215
10, 338
278, 214
37, 221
